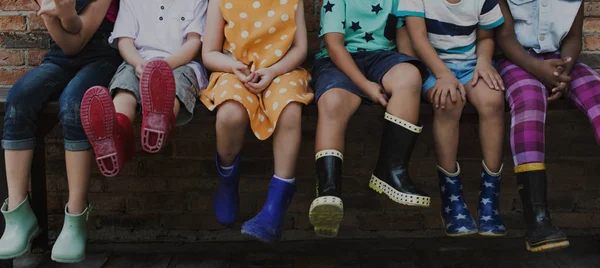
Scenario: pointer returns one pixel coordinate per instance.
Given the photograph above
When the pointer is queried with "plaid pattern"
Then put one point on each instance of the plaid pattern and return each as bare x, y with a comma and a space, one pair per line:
527, 99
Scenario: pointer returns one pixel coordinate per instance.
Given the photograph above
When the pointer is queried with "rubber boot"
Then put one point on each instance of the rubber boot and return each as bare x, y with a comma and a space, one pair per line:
541, 235
70, 244
109, 132
227, 197
21, 228
391, 174
157, 91
456, 216
327, 210
490, 221
266, 226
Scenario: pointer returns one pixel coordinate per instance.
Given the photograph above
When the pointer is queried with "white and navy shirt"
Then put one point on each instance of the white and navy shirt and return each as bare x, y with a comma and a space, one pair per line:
452, 28
542, 25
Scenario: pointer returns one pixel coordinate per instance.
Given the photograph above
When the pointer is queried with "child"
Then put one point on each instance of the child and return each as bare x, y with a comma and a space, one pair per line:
254, 49
540, 65
459, 55
78, 58
359, 63
158, 41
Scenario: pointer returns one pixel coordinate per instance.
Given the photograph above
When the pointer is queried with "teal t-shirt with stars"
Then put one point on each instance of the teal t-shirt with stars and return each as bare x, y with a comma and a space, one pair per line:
367, 25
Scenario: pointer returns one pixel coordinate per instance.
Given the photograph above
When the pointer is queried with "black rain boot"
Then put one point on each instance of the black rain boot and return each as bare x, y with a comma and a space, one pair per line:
327, 210
391, 174
541, 234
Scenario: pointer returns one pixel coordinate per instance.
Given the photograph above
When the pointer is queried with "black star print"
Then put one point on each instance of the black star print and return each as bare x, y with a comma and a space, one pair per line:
344, 24
328, 7
345, 43
368, 37
376, 9
355, 26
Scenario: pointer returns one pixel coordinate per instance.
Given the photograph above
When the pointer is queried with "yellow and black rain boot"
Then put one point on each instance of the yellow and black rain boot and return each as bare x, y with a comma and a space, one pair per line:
541, 235
391, 174
327, 210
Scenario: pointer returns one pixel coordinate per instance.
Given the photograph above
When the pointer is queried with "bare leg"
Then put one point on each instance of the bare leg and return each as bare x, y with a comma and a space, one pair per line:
445, 133
336, 106
18, 166
78, 175
125, 103
403, 83
232, 123
287, 139
490, 107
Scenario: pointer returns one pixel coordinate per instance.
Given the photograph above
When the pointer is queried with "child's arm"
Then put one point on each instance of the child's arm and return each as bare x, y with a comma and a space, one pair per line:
404, 43
446, 84
212, 49
544, 70
290, 61
65, 11
571, 45
92, 17
484, 68
193, 38
131, 55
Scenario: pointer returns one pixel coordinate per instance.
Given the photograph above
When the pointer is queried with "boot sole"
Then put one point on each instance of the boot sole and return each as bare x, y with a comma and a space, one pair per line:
157, 91
491, 234
326, 214
456, 235
103, 138
405, 199
548, 245
67, 261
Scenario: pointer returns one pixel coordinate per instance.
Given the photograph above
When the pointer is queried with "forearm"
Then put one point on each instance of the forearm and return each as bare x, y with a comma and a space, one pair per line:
292, 59
216, 61
72, 23
343, 60
70, 43
571, 50
403, 42
485, 49
186, 54
430, 57
129, 52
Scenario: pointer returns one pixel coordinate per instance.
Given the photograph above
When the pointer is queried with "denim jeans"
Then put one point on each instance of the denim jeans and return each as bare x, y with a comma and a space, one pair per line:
61, 77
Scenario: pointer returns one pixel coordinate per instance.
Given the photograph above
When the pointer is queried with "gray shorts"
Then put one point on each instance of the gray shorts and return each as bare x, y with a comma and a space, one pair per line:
186, 88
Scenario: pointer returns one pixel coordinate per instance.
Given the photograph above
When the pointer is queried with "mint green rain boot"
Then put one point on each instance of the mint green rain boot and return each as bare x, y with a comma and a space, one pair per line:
70, 245
21, 228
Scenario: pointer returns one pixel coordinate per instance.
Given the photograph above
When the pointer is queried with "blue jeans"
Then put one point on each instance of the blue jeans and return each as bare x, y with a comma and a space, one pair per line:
58, 77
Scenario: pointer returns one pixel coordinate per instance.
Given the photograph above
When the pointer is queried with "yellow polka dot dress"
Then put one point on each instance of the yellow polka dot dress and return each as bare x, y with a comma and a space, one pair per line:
259, 31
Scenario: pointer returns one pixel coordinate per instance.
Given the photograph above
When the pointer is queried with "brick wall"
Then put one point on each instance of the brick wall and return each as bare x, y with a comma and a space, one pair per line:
168, 197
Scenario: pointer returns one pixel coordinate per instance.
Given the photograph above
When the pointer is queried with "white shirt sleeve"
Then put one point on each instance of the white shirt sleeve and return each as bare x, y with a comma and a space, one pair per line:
411, 8
126, 24
198, 24
491, 15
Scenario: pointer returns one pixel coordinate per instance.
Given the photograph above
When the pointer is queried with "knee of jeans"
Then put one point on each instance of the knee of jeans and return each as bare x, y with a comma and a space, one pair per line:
69, 114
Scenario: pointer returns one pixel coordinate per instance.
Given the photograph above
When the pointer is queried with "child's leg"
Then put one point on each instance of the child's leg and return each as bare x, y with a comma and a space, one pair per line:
490, 108
445, 133
403, 83
232, 123
287, 139
585, 92
335, 106
125, 103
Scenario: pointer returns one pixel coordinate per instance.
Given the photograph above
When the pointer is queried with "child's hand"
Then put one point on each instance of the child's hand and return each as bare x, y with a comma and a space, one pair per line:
562, 86
261, 80
447, 85
484, 70
375, 92
242, 72
57, 8
139, 69
547, 71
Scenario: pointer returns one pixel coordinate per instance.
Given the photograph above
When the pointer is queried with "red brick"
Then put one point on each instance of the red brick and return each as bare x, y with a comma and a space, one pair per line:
12, 23
11, 57
18, 5
10, 76
35, 57
36, 23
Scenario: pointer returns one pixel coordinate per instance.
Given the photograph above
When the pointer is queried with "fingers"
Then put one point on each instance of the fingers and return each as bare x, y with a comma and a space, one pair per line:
435, 97
443, 98
556, 62
559, 70
463, 92
500, 81
475, 78
555, 96
453, 96
382, 100
488, 81
564, 78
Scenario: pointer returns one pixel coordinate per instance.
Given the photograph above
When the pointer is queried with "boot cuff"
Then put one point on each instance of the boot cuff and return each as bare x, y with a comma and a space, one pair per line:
448, 173
5, 205
324, 153
85, 211
402, 123
530, 167
489, 172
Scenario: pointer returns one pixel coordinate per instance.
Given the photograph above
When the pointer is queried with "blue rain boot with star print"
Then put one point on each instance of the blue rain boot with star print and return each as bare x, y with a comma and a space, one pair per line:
490, 221
456, 217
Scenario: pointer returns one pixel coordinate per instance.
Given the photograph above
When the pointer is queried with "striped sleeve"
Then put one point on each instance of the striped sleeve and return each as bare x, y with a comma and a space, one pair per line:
411, 8
491, 15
